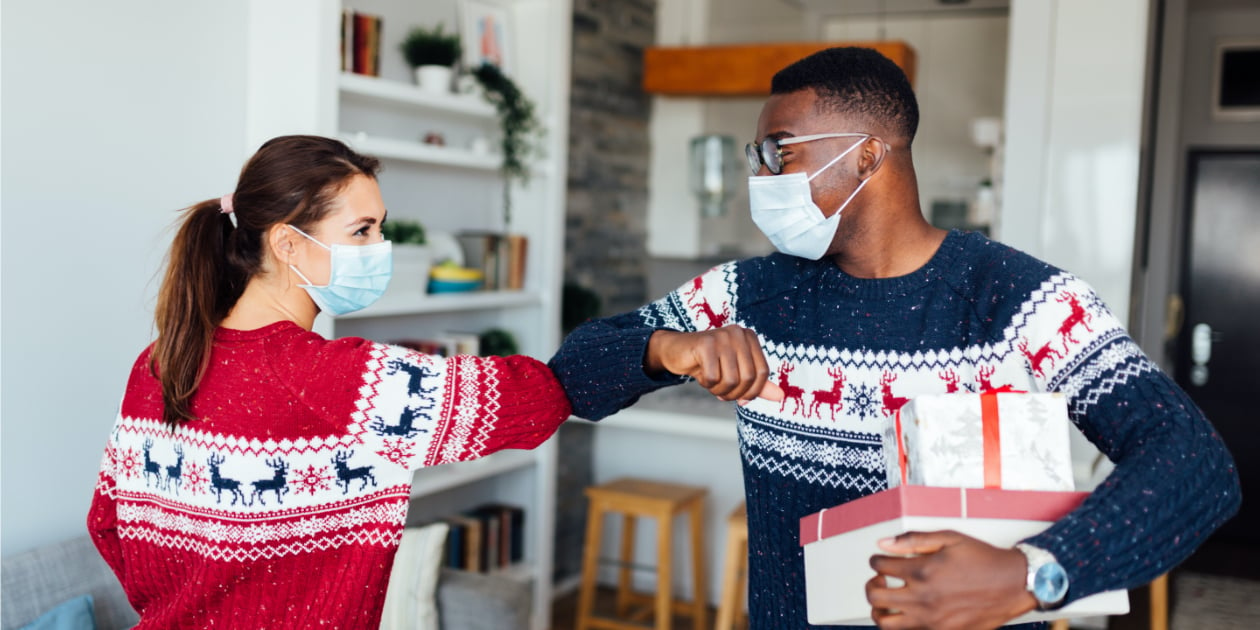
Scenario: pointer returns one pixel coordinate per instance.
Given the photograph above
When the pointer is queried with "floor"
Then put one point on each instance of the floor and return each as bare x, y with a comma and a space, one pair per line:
1200, 602
564, 611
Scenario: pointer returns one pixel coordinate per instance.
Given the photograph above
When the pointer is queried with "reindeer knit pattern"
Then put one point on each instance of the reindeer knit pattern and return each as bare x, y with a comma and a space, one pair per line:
848, 352
283, 504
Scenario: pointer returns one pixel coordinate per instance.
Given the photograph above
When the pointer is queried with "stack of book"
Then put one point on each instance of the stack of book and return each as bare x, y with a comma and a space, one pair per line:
360, 43
485, 538
447, 344
500, 256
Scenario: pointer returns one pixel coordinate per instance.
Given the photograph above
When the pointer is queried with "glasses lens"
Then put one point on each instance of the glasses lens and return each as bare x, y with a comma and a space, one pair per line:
770, 155
754, 160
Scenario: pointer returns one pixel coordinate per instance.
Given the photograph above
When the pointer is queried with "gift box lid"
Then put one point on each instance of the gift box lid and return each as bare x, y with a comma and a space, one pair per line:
929, 501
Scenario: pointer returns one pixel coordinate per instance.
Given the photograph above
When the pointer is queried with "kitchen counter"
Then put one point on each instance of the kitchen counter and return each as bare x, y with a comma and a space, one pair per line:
684, 410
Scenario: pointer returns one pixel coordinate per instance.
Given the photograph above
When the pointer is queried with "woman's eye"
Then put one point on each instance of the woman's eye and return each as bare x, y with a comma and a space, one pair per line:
363, 231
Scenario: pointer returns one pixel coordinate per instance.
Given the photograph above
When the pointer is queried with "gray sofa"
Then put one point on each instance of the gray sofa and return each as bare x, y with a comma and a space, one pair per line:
37, 580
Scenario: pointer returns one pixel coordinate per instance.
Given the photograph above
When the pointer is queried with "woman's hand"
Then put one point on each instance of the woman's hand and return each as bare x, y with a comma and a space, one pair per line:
726, 361
952, 582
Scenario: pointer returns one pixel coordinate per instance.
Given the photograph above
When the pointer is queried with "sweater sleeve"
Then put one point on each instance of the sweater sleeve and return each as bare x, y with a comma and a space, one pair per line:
102, 519
428, 410
600, 363
417, 410
1174, 481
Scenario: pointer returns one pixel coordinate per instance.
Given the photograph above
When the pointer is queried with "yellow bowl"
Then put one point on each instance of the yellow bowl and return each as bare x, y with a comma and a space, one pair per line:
455, 273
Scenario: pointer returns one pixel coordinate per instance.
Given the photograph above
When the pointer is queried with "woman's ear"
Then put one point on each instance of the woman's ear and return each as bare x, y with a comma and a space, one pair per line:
281, 242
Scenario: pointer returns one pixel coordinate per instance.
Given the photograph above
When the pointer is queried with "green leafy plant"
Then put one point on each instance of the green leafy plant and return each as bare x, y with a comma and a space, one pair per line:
496, 342
431, 47
518, 121
402, 231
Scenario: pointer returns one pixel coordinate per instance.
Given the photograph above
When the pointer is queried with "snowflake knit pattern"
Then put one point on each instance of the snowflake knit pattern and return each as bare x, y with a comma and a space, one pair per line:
849, 352
283, 504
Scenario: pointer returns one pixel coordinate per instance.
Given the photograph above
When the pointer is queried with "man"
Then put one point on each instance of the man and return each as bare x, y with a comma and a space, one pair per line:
866, 306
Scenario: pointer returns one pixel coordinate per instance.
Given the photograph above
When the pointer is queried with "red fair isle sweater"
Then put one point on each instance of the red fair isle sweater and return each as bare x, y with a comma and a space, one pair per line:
282, 506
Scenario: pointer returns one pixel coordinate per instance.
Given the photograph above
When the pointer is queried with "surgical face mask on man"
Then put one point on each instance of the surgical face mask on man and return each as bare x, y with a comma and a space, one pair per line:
784, 210
357, 276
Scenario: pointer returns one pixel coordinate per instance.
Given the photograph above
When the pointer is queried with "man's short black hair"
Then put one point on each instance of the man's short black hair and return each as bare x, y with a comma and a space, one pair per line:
855, 81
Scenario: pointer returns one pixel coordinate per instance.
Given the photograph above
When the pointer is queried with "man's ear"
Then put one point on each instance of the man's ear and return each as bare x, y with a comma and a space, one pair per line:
874, 150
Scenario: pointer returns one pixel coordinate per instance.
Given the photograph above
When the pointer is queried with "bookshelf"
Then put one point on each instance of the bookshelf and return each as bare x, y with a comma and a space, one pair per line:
295, 85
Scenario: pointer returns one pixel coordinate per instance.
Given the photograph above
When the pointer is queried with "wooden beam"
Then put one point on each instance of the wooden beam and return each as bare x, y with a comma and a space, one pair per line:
741, 69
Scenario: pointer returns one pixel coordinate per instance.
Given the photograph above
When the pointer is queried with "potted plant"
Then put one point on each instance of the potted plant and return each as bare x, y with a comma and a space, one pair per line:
412, 258
521, 129
432, 53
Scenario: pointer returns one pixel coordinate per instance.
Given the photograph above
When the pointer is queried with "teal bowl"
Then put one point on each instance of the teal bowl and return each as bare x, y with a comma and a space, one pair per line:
453, 286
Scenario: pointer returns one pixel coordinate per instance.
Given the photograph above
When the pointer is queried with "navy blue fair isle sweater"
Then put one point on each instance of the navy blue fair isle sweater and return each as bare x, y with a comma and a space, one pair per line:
848, 352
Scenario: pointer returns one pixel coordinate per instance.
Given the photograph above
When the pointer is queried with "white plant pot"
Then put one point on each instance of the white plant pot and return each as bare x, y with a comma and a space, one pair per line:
411, 269
434, 78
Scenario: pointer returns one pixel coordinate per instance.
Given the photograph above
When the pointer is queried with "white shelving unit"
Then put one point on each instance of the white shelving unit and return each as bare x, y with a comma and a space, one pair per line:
295, 86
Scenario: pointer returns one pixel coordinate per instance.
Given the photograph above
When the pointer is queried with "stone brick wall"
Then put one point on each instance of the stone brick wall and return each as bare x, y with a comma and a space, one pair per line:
606, 219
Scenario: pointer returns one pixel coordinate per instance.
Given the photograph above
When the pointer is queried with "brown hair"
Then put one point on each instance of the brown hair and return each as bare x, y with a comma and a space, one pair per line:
291, 179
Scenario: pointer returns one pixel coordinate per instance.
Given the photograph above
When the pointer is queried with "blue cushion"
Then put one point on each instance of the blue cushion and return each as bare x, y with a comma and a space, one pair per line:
74, 614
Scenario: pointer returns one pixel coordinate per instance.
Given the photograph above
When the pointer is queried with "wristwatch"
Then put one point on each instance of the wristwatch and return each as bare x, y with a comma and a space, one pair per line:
1047, 580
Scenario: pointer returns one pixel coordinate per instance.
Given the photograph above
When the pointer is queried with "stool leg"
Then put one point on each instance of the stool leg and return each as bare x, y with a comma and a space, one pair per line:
741, 592
1159, 603
664, 571
700, 597
627, 556
1060, 624
730, 581
590, 566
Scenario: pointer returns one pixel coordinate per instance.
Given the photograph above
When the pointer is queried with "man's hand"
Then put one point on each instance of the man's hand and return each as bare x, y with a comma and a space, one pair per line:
726, 361
953, 582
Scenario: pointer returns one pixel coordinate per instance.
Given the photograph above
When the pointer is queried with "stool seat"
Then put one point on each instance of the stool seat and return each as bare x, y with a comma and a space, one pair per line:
645, 496
633, 499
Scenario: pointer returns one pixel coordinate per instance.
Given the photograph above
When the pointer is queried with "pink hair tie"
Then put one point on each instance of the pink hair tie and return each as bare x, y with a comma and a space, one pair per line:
225, 203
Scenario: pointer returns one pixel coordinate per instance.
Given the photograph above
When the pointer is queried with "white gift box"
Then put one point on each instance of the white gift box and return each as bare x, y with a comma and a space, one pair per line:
839, 542
1008, 440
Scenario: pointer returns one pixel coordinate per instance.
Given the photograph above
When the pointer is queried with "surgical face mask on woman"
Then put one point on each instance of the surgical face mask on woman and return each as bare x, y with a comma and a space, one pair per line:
357, 276
784, 210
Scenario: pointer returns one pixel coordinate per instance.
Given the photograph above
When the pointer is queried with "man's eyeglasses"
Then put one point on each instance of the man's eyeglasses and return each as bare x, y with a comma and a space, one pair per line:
770, 151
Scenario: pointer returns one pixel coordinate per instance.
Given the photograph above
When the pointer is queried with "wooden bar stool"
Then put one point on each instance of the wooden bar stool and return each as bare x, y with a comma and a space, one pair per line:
734, 571
633, 499
1158, 607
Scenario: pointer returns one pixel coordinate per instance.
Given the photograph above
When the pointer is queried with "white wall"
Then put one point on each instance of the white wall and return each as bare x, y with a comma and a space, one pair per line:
116, 114
961, 76
1074, 104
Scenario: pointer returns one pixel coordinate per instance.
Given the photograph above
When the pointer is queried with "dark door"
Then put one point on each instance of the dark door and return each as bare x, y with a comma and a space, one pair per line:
1218, 350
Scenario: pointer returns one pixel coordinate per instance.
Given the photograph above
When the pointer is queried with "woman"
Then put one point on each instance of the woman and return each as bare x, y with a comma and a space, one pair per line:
258, 474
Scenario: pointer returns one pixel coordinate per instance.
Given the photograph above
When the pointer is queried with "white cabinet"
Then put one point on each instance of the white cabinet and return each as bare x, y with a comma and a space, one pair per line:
295, 86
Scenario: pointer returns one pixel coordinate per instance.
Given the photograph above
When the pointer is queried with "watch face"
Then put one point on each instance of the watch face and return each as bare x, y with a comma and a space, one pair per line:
1050, 584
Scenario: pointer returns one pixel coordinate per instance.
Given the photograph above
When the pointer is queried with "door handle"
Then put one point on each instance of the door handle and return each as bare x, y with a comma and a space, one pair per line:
1201, 339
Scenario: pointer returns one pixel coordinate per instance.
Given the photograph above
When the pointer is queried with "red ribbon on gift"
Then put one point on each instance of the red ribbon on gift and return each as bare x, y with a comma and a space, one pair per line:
992, 435
991, 428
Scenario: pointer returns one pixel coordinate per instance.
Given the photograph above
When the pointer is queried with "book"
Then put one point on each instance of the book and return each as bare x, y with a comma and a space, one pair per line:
470, 530
468, 343
491, 536
501, 257
366, 44
509, 545
516, 246
442, 347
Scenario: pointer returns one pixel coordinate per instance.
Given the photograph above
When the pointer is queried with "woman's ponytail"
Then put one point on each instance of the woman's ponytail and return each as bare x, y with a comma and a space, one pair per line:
219, 248
200, 287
